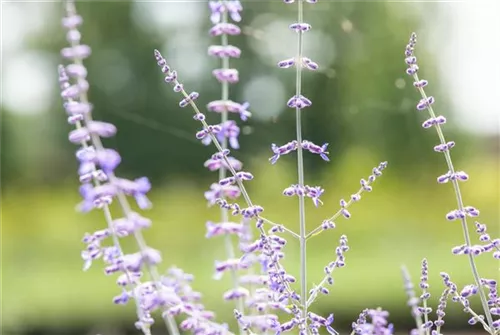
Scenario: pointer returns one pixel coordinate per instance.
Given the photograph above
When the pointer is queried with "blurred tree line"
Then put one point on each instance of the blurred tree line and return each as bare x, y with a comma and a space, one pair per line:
364, 99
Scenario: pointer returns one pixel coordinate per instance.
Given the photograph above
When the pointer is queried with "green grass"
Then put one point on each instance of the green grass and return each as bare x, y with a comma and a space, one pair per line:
401, 221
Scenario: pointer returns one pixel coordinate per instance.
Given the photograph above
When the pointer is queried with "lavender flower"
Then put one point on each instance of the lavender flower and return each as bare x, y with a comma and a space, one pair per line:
373, 322
100, 186
298, 101
228, 134
462, 298
462, 212
293, 145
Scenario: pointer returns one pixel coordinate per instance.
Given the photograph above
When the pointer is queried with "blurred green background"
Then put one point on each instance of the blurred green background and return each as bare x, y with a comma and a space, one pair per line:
363, 105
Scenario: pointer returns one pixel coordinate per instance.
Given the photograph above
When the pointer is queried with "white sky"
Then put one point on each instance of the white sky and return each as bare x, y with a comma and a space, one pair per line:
469, 63
463, 35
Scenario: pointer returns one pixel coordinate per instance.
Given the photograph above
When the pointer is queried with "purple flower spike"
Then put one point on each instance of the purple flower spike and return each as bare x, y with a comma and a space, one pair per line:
236, 293
365, 185
471, 211
218, 191
137, 188
444, 147
244, 175
299, 102
72, 22
282, 150
454, 215
217, 8
186, 101
425, 103
216, 164
411, 60
76, 108
421, 83
286, 63
103, 129
300, 27
229, 130
234, 8
468, 291
226, 75
76, 70
79, 52
220, 106
412, 70
316, 149
224, 51
309, 64
314, 193
225, 28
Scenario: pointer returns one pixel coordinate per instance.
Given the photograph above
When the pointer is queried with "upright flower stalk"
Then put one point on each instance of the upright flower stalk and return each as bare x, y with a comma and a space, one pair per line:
171, 294
221, 12
454, 177
298, 102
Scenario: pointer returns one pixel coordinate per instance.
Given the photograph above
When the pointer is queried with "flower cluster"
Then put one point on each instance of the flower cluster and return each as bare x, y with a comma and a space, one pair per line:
313, 192
293, 145
373, 322
172, 294
227, 135
487, 244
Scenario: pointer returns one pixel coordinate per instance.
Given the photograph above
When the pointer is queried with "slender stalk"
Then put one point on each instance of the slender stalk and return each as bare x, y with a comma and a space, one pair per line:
460, 204
300, 171
125, 206
228, 242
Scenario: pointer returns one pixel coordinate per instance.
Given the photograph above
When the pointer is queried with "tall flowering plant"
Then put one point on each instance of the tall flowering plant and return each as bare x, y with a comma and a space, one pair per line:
170, 293
222, 12
490, 302
279, 293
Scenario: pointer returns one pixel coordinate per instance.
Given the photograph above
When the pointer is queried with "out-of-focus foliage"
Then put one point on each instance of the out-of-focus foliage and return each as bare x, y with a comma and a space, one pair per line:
361, 98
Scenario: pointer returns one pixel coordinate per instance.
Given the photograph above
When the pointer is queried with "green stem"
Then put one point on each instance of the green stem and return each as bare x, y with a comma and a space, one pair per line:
222, 174
300, 171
